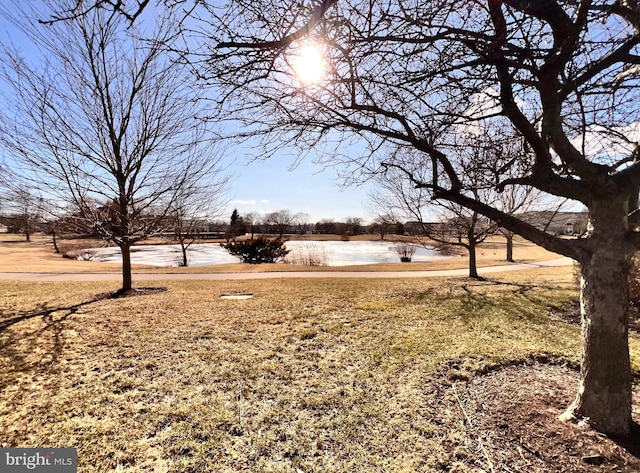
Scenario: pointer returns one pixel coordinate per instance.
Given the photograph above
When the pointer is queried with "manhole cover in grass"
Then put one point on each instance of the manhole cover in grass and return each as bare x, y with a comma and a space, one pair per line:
236, 296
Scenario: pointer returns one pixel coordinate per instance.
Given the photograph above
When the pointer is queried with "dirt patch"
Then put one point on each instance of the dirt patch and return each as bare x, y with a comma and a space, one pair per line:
509, 421
569, 313
138, 291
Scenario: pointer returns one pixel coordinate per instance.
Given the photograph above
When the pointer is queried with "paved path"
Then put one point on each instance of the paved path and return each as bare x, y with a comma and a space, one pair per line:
279, 275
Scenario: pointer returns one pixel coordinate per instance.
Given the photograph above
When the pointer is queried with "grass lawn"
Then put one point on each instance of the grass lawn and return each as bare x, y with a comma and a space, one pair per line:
307, 376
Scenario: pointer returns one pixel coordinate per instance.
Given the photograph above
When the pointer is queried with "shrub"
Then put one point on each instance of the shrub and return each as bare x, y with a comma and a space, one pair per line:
405, 251
258, 250
309, 254
78, 252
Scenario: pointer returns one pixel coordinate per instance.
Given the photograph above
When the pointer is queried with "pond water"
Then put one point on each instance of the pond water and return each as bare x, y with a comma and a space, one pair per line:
331, 253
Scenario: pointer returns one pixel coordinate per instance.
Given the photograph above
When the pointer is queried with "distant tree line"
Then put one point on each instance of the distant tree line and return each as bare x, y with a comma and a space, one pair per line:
284, 222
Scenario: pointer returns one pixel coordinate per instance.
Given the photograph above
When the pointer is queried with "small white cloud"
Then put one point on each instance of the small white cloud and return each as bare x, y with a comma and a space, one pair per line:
248, 202
244, 202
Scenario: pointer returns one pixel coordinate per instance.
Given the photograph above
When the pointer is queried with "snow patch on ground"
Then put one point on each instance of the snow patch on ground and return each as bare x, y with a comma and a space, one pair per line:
338, 253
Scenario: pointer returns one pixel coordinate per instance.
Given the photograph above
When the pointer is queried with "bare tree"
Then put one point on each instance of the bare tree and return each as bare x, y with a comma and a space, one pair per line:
436, 223
186, 230
190, 213
353, 225
25, 210
280, 220
22, 203
388, 216
477, 161
253, 221
516, 201
385, 223
406, 76
105, 122
301, 220
460, 226
76, 9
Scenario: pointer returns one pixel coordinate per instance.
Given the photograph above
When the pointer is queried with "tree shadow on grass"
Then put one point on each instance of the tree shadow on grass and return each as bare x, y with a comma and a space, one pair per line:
475, 298
19, 340
47, 313
138, 291
518, 289
18, 344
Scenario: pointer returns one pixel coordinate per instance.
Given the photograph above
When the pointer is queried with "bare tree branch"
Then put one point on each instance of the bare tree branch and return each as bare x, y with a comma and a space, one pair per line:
109, 126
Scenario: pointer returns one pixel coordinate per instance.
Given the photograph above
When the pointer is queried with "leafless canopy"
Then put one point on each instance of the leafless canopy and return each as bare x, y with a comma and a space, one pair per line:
415, 80
103, 121
73, 10
563, 75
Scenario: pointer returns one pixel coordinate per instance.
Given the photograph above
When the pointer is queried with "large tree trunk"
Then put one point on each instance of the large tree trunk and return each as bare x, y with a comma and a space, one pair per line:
127, 283
604, 393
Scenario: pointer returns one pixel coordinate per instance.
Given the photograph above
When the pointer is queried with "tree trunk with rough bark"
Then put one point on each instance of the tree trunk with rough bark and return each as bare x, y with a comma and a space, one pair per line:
127, 282
473, 266
185, 259
604, 393
509, 237
55, 241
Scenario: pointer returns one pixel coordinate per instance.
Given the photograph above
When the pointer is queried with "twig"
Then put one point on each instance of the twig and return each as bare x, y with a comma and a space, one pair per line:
530, 450
468, 421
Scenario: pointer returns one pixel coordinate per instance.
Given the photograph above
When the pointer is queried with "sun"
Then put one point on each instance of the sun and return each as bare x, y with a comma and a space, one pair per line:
308, 64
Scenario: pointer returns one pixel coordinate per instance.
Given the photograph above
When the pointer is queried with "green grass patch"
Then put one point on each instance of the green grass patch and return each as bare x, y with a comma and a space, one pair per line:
308, 375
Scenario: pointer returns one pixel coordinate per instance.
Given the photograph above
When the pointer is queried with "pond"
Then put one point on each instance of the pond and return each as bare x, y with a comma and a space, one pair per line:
330, 253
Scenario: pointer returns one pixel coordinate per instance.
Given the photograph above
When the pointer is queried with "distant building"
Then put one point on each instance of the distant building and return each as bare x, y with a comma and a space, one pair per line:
558, 223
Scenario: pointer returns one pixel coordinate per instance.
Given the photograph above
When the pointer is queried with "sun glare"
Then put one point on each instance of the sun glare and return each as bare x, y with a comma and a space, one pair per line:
308, 64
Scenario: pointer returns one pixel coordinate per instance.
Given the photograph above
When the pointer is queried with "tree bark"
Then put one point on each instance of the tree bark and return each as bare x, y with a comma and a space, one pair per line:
127, 282
509, 237
185, 260
604, 393
473, 267
55, 241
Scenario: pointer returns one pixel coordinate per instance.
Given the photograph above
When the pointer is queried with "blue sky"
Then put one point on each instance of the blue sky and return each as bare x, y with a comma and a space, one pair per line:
265, 186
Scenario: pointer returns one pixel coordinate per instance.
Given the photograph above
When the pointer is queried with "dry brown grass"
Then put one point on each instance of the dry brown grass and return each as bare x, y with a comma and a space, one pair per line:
38, 256
307, 376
